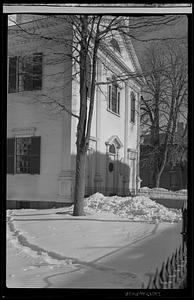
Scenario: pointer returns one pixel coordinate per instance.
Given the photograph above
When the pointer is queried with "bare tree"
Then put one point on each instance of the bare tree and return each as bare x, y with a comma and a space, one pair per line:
164, 102
89, 34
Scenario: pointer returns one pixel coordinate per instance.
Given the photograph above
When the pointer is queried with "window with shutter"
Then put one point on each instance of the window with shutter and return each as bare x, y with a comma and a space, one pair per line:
10, 155
23, 150
25, 73
23, 155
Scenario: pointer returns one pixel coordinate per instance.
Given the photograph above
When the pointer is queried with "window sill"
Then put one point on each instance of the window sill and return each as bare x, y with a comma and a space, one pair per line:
114, 113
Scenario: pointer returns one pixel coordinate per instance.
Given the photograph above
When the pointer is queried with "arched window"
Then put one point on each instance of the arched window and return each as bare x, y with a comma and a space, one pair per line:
133, 107
112, 149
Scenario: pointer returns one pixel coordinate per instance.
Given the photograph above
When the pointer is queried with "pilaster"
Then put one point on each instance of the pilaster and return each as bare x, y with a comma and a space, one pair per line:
65, 186
98, 178
126, 121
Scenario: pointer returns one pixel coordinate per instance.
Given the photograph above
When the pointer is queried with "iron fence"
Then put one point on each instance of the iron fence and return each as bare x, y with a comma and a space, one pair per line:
173, 273
106, 191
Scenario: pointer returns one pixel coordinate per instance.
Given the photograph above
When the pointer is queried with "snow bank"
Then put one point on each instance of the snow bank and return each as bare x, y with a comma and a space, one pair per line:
181, 191
162, 190
139, 208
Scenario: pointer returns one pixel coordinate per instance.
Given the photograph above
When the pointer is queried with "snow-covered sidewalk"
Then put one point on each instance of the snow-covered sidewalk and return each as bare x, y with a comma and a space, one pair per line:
54, 237
61, 236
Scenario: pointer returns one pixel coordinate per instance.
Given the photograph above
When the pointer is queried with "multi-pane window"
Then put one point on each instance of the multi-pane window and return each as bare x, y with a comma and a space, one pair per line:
23, 155
114, 97
25, 73
23, 150
133, 107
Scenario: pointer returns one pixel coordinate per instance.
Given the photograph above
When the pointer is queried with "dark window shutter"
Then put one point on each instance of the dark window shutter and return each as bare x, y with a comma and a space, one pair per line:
35, 155
12, 74
10, 155
37, 71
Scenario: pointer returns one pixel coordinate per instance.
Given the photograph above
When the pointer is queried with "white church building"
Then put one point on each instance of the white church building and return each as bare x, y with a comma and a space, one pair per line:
41, 134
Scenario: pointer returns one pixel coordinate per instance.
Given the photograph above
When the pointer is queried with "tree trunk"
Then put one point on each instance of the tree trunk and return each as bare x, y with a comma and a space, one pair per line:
81, 127
154, 177
161, 169
183, 177
85, 120
79, 183
157, 182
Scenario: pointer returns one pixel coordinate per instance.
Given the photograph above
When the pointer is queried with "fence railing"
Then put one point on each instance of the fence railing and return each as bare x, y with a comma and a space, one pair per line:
106, 191
173, 273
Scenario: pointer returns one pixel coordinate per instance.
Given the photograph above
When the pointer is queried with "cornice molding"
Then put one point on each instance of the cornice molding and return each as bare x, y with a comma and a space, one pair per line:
121, 65
132, 54
115, 58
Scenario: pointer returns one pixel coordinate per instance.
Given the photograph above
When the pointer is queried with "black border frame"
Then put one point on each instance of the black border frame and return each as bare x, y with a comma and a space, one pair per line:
56, 293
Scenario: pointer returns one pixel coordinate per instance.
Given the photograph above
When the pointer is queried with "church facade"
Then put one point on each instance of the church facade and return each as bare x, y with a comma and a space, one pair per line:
41, 132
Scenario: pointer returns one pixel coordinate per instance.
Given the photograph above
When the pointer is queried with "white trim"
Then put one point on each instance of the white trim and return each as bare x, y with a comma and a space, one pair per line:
65, 8
24, 132
112, 140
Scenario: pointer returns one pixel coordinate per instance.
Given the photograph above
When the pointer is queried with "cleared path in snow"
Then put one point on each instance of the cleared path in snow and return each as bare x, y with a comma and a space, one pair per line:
129, 267
92, 251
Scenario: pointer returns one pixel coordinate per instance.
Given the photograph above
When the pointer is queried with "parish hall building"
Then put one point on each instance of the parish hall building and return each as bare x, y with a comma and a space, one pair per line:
43, 89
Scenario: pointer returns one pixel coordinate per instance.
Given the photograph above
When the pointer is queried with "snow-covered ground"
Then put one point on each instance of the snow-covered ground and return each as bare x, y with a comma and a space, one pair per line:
139, 208
47, 241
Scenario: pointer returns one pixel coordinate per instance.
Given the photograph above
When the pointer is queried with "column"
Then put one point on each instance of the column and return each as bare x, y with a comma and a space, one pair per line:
97, 177
126, 133
138, 179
